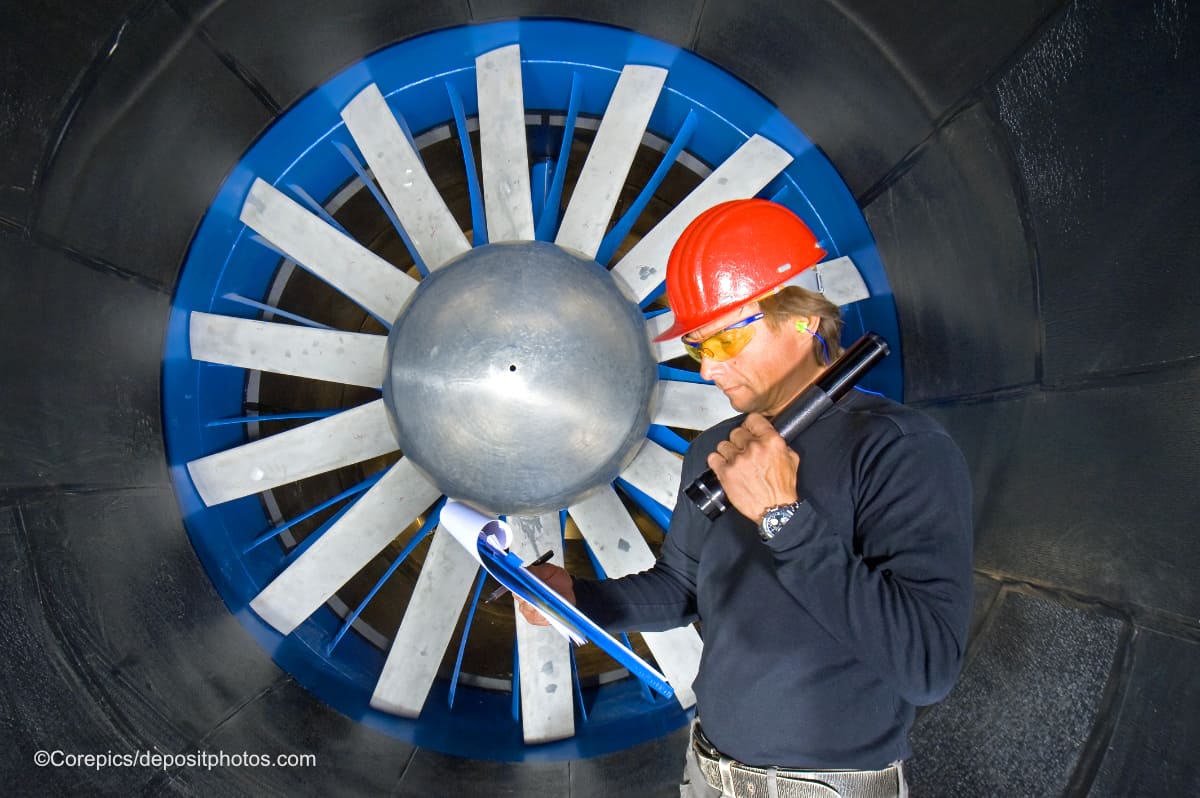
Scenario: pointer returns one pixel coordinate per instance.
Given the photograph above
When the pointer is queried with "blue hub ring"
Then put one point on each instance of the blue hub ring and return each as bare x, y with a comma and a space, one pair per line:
299, 149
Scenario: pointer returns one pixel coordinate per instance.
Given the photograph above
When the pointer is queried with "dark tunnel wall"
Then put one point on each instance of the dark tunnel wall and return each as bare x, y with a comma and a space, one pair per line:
1030, 172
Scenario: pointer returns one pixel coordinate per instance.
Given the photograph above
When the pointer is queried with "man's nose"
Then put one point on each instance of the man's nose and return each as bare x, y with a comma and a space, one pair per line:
709, 366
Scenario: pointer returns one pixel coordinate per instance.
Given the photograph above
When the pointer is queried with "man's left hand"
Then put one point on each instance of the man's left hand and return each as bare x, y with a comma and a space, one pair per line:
756, 467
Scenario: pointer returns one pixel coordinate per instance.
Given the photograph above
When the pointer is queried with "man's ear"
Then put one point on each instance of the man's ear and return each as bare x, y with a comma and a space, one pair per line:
808, 325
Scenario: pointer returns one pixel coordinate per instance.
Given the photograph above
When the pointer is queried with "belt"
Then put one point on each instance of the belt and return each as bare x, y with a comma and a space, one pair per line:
746, 781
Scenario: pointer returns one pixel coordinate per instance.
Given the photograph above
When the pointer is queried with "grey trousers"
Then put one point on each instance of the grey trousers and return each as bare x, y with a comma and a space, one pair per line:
694, 785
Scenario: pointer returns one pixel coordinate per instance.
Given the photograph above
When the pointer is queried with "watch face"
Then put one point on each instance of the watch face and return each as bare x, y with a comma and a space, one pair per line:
774, 519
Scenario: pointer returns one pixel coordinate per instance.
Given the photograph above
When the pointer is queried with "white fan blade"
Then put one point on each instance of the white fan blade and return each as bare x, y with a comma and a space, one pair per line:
337, 259
655, 472
354, 540
838, 279
668, 349
547, 711
743, 174
504, 150
595, 196
677, 652
690, 405
420, 643
418, 205
345, 357
349, 437
619, 547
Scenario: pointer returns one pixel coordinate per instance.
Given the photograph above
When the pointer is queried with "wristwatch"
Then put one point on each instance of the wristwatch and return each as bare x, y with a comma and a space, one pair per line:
774, 518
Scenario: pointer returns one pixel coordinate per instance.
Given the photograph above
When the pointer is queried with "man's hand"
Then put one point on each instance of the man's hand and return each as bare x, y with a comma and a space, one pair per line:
756, 467
556, 578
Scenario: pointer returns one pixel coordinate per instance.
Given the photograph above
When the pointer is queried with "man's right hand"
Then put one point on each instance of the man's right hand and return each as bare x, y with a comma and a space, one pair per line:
558, 579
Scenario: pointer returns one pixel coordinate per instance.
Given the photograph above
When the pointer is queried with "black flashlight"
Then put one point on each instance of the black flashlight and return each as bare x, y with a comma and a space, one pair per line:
842, 375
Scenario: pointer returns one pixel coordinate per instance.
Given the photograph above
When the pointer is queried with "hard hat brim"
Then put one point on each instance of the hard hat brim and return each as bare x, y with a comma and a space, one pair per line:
676, 330
682, 327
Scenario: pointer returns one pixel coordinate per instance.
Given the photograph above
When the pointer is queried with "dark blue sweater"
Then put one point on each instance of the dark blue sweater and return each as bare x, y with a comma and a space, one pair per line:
819, 644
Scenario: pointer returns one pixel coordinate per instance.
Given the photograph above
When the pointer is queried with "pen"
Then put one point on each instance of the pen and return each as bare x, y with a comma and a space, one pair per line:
500, 591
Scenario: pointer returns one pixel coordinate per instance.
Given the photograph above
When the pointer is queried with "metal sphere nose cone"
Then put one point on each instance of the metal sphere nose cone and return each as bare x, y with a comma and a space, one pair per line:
520, 377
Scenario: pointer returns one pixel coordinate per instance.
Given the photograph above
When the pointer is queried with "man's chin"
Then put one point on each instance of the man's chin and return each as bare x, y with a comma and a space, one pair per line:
741, 402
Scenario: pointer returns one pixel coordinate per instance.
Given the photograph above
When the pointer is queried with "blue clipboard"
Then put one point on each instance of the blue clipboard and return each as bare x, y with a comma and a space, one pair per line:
509, 570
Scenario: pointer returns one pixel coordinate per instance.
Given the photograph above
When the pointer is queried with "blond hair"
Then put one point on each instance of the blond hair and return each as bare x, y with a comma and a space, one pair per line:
792, 303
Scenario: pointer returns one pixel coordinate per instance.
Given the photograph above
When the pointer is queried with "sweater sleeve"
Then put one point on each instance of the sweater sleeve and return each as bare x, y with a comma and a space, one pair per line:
903, 605
659, 598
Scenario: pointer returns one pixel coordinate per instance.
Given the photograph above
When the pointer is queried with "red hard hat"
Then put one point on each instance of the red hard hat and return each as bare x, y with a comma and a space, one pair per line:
733, 254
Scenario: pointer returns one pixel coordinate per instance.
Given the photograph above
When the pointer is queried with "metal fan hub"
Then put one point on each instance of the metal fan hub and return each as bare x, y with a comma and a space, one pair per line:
520, 377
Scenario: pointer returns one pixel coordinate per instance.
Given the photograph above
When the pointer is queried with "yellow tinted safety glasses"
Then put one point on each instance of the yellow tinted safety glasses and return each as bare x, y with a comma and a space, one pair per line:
724, 344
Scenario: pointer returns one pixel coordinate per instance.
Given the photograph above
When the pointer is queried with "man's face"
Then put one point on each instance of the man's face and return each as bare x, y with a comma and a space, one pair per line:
772, 370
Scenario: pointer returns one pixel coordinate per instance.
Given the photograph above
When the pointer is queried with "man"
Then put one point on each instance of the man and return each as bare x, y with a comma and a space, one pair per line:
834, 597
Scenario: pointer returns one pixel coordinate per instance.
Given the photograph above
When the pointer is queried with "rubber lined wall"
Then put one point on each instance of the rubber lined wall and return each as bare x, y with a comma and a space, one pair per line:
1030, 171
